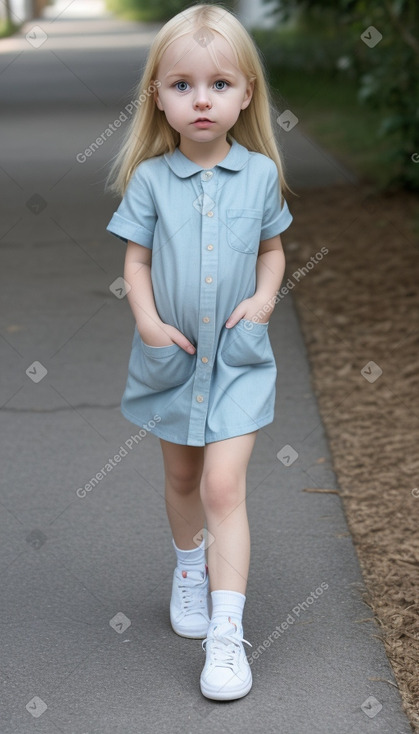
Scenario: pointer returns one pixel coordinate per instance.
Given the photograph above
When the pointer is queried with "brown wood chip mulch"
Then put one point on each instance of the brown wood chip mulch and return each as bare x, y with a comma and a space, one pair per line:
359, 311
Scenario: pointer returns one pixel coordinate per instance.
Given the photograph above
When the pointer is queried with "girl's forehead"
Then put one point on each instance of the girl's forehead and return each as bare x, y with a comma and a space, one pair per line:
195, 52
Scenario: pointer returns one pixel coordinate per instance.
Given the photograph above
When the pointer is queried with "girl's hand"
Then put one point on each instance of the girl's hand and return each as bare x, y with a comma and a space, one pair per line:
164, 335
249, 309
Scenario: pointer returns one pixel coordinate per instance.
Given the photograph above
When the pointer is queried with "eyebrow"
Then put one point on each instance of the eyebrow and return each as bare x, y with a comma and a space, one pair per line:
188, 75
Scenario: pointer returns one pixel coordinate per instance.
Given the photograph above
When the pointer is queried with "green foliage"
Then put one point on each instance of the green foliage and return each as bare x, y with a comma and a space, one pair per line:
332, 34
8, 28
145, 10
304, 51
330, 112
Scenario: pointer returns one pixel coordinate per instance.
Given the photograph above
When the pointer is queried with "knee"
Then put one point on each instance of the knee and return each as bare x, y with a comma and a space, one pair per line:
183, 478
221, 491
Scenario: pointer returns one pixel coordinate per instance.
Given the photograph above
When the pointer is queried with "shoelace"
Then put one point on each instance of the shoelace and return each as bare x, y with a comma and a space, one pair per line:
224, 645
192, 595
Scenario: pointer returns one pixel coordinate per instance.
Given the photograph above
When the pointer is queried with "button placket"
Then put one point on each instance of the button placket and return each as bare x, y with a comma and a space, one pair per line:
207, 307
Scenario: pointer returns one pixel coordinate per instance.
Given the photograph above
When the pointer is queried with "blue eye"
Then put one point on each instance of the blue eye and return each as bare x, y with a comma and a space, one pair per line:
180, 90
221, 81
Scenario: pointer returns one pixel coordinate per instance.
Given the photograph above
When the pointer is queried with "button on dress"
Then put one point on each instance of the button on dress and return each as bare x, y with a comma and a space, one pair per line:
204, 228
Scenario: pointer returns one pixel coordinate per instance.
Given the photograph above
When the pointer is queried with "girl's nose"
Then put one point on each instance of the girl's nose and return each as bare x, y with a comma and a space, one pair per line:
202, 98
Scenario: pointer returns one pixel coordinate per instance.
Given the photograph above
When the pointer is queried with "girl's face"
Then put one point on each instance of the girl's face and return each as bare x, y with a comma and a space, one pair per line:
193, 87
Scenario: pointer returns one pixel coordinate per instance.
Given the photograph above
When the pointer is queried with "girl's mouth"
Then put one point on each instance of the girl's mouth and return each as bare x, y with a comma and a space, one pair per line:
203, 123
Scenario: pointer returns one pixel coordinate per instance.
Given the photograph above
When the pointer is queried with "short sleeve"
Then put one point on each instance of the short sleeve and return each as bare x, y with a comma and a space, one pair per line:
275, 219
136, 215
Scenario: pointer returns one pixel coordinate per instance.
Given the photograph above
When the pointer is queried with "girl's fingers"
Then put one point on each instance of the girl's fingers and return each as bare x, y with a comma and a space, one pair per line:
187, 346
237, 314
181, 340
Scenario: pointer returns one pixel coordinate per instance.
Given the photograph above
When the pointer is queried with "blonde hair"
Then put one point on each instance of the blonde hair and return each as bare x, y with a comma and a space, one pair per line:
149, 134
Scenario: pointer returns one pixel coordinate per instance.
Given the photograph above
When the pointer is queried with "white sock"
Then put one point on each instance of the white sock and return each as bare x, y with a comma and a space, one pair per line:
191, 560
227, 604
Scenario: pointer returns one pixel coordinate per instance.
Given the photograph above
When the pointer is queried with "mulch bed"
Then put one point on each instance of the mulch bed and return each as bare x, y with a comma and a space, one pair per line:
358, 307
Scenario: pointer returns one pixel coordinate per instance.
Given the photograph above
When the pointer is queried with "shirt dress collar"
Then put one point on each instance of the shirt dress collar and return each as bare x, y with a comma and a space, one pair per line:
235, 160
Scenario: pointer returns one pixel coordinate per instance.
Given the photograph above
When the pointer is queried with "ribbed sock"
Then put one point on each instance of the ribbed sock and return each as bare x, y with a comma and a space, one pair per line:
227, 604
188, 560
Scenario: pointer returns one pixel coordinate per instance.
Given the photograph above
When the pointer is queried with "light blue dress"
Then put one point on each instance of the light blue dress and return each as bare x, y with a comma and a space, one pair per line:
204, 228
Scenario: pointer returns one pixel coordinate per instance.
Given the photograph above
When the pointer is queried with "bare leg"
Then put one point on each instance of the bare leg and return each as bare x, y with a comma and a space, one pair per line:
183, 469
223, 493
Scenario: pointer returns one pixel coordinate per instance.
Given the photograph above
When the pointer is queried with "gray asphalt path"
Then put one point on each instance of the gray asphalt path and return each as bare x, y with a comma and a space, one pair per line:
86, 644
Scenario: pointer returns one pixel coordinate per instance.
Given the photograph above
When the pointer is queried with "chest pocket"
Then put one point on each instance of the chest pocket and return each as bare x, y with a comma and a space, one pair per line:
243, 229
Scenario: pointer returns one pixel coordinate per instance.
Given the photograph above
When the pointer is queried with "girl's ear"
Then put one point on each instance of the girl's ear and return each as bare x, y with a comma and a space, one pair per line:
248, 95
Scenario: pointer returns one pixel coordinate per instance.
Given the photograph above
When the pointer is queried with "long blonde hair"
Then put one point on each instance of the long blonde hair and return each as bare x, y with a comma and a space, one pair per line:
149, 134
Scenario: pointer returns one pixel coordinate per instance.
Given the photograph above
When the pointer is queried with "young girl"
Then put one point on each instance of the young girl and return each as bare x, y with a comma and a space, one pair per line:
201, 213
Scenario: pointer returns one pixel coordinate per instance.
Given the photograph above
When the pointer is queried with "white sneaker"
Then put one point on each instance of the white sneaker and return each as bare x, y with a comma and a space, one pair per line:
189, 604
226, 674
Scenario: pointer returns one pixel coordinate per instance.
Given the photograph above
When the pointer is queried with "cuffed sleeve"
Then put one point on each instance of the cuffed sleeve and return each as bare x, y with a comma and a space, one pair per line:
275, 219
136, 215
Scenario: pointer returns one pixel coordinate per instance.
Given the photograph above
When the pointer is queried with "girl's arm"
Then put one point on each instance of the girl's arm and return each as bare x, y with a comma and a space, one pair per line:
137, 273
270, 268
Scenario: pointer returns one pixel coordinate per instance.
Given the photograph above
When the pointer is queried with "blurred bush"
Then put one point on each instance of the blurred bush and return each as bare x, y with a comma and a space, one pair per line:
300, 50
334, 36
144, 10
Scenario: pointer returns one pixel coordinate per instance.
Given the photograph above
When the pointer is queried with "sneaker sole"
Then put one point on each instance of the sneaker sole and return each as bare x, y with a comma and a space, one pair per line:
191, 634
197, 636
224, 694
